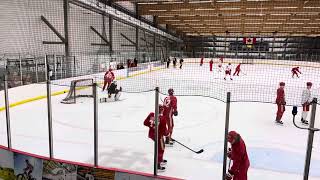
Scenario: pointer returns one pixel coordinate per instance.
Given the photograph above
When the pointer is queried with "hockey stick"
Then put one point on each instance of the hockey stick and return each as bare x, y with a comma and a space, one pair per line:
198, 152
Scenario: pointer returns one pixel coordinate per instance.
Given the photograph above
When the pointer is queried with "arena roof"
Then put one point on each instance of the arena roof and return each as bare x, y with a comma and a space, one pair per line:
239, 17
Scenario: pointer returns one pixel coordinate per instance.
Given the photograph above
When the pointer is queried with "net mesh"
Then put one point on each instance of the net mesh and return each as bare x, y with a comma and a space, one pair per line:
79, 88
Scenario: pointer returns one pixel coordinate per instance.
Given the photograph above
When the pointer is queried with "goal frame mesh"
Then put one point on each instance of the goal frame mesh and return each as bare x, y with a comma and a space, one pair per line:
73, 93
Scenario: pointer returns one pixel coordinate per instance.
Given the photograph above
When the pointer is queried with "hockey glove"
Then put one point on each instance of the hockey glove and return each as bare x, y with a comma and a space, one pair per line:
229, 153
175, 113
229, 176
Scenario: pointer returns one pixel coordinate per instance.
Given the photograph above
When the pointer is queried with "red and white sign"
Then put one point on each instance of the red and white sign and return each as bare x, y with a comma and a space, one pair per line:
249, 40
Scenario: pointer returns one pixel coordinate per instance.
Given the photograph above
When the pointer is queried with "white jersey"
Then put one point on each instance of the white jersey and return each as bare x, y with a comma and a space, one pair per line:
228, 68
306, 96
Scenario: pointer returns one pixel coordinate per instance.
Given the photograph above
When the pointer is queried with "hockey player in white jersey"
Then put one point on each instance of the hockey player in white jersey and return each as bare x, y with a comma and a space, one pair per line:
228, 71
306, 100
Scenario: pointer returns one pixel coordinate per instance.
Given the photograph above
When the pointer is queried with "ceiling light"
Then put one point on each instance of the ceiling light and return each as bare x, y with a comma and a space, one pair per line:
157, 10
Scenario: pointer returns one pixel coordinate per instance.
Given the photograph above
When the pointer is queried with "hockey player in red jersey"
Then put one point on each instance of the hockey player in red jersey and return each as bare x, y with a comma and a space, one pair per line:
237, 71
295, 71
281, 102
221, 59
162, 131
170, 109
201, 61
108, 78
211, 64
228, 72
239, 156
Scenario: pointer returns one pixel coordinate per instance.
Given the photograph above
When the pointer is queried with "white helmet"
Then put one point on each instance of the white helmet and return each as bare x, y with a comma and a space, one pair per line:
115, 82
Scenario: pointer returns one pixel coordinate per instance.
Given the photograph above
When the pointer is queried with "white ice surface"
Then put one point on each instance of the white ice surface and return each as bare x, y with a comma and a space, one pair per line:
123, 141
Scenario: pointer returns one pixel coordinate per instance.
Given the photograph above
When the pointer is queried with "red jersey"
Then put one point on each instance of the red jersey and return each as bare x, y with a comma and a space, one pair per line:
211, 62
239, 156
170, 105
109, 75
280, 96
201, 60
295, 70
149, 122
238, 67
221, 60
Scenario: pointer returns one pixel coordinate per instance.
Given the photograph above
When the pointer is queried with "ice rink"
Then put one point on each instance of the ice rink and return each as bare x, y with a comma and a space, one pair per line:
275, 152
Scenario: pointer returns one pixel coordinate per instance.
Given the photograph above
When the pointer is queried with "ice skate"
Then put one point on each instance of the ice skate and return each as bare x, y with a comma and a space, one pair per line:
163, 163
279, 122
304, 122
161, 168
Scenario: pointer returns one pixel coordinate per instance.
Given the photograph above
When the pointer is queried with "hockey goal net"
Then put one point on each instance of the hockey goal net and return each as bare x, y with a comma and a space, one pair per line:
78, 89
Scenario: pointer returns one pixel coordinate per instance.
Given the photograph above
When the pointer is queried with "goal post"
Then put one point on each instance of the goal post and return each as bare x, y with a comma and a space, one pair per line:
79, 88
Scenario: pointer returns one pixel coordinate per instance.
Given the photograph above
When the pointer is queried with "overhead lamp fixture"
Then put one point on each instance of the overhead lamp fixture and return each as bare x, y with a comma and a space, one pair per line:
172, 2
285, 7
157, 10
280, 14
196, 2
180, 10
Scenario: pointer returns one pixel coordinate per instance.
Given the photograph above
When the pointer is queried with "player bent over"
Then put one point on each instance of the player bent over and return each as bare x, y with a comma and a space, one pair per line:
112, 89
281, 102
108, 78
162, 131
295, 71
170, 109
239, 156
228, 72
306, 100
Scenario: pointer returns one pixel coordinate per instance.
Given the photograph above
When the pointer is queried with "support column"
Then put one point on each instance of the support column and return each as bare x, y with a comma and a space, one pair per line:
7, 106
111, 34
167, 48
95, 124
310, 140
66, 37
156, 143
49, 108
226, 131
154, 47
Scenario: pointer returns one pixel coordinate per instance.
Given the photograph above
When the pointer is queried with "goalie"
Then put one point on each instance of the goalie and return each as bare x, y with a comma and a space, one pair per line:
112, 89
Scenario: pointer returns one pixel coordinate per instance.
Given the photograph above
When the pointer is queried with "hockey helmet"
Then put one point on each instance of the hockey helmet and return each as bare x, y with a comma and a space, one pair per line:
282, 84
233, 136
170, 91
309, 83
229, 63
114, 82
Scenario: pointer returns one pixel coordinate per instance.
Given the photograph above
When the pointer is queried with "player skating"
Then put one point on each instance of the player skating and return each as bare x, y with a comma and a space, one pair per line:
112, 89
228, 72
168, 62
108, 78
220, 64
174, 62
162, 131
295, 71
181, 62
281, 102
201, 61
306, 100
211, 64
239, 156
237, 71
170, 109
